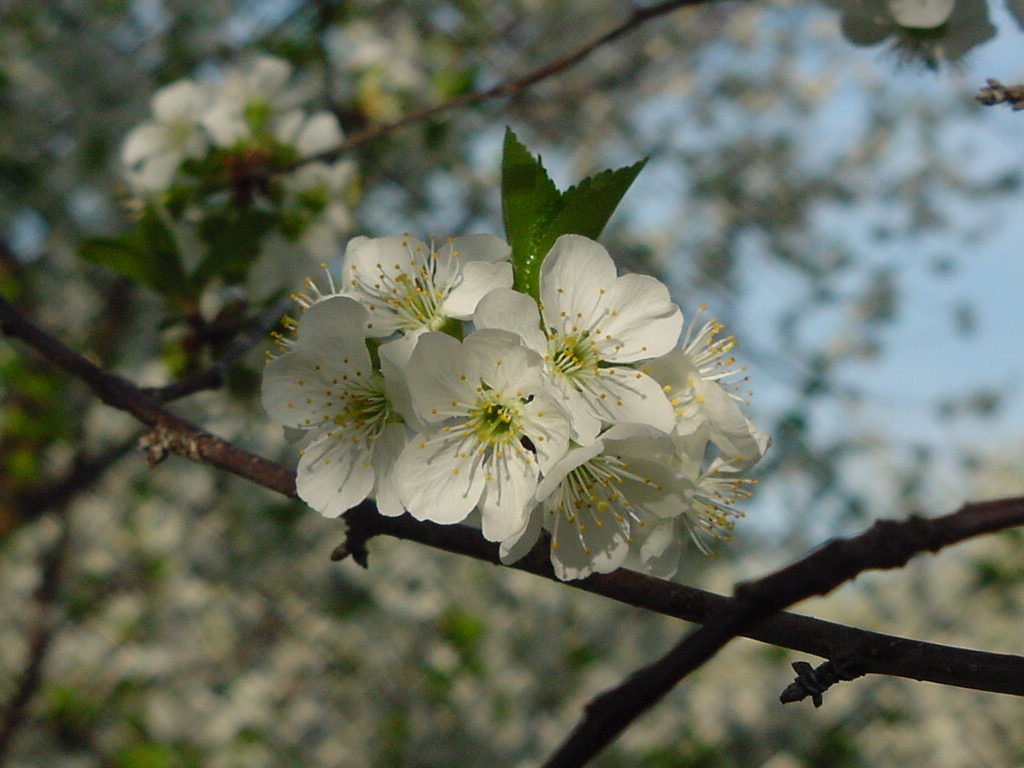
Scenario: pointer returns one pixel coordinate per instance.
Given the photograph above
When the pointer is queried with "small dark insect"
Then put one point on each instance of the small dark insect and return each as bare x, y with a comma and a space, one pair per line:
528, 444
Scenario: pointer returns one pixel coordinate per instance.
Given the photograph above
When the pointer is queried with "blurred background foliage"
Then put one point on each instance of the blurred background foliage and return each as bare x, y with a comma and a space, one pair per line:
819, 175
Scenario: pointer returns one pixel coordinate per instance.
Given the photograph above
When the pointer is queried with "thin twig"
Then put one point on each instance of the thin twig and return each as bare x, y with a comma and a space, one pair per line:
887, 544
213, 377
882, 654
516, 85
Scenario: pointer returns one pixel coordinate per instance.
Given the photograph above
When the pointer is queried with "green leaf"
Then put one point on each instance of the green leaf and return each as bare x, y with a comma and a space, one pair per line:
586, 207
120, 254
161, 246
536, 213
233, 238
528, 196
147, 255
147, 756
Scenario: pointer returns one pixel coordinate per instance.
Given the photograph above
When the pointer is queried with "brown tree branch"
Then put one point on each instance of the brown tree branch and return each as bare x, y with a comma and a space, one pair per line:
887, 544
879, 653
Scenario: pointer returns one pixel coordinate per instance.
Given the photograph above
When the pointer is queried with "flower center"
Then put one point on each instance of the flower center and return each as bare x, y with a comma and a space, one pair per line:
495, 419
708, 354
257, 114
418, 301
573, 356
365, 409
592, 494
413, 291
713, 514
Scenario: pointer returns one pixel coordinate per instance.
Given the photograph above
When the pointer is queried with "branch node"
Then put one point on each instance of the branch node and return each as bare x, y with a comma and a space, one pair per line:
997, 93
155, 445
356, 536
354, 547
814, 682
160, 441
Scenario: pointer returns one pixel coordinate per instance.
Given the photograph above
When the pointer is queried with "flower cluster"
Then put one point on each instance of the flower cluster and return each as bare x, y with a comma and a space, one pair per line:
580, 414
230, 135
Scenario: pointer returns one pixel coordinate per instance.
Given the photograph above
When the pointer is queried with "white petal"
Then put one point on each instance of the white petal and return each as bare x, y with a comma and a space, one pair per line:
478, 278
370, 269
441, 373
507, 497
334, 475
180, 101
394, 360
320, 133
339, 216
436, 478
730, 430
576, 554
585, 425
310, 176
481, 248
661, 549
512, 311
623, 395
288, 126
743, 461
921, 14
546, 423
156, 172
574, 458
225, 125
631, 317
386, 449
397, 254
640, 318
340, 174
572, 277
503, 363
335, 326
268, 75
292, 389
142, 142
321, 240
518, 544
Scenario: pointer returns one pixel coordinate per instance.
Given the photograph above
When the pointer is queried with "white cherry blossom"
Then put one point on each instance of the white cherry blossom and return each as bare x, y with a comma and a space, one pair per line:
325, 385
154, 151
592, 324
698, 379
707, 515
261, 102
492, 429
597, 495
411, 287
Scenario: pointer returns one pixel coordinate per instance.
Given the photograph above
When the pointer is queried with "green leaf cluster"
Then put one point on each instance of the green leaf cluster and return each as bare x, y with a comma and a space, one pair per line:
536, 213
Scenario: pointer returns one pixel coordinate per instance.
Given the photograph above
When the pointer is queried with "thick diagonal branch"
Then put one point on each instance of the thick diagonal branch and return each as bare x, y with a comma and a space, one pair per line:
169, 432
887, 544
